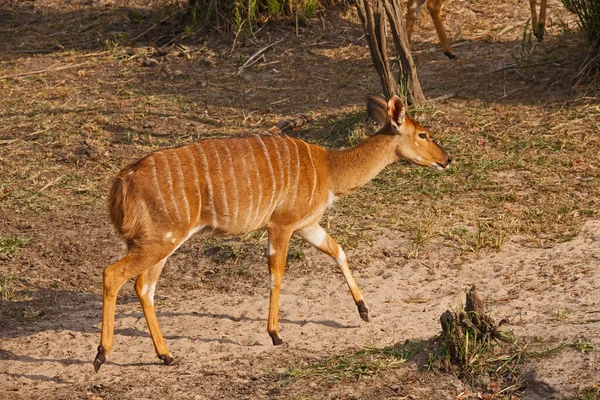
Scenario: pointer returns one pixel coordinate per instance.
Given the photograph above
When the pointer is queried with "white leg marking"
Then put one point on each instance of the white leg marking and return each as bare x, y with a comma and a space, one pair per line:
150, 292
271, 249
332, 197
272, 283
314, 235
341, 256
168, 235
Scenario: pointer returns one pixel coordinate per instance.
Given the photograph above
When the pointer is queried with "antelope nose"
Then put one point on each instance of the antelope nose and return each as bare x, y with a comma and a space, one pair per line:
449, 161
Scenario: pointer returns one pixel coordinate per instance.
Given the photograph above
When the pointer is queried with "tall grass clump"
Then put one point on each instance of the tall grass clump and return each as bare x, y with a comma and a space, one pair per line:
243, 15
588, 12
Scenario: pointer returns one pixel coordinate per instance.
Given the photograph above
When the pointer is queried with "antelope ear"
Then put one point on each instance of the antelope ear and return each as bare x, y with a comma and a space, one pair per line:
396, 111
377, 109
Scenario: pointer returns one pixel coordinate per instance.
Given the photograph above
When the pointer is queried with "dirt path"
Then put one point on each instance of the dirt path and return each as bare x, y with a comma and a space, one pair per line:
224, 352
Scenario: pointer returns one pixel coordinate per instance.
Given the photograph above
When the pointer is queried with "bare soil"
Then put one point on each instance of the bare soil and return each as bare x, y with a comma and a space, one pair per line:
518, 217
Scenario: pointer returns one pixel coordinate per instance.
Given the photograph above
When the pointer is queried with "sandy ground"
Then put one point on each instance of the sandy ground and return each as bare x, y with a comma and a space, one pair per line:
548, 293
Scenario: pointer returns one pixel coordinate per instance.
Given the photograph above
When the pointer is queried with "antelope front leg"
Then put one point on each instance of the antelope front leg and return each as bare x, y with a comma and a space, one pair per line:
412, 11
279, 239
435, 9
541, 25
317, 236
144, 287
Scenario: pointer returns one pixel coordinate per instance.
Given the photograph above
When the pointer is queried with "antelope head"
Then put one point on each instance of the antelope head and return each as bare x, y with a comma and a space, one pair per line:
413, 142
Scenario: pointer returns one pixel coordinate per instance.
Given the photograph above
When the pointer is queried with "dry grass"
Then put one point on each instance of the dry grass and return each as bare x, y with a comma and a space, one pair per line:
525, 154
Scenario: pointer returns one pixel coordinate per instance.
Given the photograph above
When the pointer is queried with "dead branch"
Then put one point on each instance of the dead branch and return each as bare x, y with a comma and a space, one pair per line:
255, 57
41, 71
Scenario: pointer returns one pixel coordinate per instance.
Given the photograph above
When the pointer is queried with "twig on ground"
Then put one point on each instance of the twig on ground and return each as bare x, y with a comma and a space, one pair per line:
255, 57
41, 71
29, 136
443, 97
54, 182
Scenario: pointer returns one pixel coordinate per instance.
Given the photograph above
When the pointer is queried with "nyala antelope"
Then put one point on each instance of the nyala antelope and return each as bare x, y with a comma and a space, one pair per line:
230, 186
435, 8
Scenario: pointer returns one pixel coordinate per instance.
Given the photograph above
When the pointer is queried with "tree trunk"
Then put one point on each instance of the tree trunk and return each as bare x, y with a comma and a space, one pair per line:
371, 14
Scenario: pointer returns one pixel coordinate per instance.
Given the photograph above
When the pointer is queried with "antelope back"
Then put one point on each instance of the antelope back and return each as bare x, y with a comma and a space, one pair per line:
225, 187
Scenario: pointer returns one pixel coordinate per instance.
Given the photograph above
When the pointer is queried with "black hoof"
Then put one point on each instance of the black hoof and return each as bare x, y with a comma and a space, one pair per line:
539, 33
450, 55
100, 358
167, 359
362, 311
276, 340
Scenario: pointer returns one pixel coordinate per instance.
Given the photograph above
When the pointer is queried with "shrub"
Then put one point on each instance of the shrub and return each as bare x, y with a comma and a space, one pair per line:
588, 12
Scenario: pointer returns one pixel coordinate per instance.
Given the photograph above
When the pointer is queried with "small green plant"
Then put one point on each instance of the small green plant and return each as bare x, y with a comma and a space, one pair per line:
11, 244
275, 7
523, 56
422, 232
309, 8
7, 287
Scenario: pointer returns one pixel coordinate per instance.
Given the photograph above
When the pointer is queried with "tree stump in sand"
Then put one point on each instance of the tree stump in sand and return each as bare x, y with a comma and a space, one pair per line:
466, 332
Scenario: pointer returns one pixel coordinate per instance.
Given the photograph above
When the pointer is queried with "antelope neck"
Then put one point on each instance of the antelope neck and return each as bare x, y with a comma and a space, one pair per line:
352, 168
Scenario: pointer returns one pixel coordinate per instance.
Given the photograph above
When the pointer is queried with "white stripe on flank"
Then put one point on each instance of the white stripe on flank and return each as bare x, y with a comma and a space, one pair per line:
219, 179
297, 179
196, 179
274, 141
208, 180
170, 181
259, 184
235, 200
286, 156
271, 175
182, 180
248, 190
314, 186
155, 179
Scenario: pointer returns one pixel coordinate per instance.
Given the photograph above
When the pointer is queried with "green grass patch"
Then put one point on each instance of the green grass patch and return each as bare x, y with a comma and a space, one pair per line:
12, 244
370, 361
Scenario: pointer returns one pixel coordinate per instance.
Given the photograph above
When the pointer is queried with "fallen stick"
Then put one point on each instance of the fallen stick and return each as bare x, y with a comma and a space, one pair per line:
29, 136
255, 56
41, 71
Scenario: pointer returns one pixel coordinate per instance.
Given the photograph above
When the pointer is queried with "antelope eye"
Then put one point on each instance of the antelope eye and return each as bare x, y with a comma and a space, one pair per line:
422, 136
